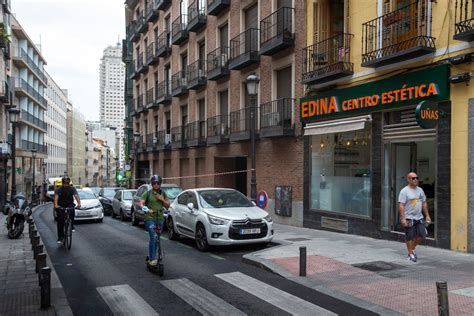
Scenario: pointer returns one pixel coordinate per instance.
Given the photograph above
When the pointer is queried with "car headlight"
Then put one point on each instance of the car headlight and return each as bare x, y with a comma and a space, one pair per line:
217, 220
268, 218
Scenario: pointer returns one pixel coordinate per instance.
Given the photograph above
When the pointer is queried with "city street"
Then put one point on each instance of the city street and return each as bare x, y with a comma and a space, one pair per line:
104, 273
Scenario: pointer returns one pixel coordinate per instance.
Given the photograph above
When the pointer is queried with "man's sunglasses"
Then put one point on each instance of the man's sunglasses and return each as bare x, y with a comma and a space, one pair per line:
414, 178
155, 182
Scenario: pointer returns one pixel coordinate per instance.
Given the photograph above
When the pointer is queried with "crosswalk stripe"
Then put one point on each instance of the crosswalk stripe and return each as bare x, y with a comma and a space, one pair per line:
200, 299
123, 300
285, 301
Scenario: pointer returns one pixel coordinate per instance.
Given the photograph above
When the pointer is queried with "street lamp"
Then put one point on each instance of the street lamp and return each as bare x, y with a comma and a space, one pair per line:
252, 90
136, 139
14, 115
33, 186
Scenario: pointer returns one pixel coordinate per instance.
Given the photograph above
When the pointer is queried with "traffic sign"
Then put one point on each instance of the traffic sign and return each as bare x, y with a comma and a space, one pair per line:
127, 167
262, 199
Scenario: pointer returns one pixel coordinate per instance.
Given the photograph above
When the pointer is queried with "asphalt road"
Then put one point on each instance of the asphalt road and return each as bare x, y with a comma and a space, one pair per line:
112, 253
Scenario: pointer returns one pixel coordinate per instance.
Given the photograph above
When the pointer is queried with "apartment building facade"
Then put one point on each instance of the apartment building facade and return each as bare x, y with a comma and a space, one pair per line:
76, 145
30, 83
100, 162
5, 100
190, 61
56, 125
386, 94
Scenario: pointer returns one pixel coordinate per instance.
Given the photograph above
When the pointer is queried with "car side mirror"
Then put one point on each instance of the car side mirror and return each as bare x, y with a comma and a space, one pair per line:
190, 206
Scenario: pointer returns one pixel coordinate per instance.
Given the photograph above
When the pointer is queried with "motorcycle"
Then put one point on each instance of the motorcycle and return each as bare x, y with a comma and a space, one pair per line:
18, 212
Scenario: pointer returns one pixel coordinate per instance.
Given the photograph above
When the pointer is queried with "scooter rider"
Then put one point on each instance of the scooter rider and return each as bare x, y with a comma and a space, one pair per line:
64, 197
154, 199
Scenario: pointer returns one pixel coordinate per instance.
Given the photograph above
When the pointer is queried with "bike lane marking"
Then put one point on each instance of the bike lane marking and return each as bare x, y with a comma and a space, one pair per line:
123, 300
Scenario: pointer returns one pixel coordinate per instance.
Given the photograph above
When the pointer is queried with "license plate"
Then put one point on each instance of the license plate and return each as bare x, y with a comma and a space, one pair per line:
250, 231
84, 214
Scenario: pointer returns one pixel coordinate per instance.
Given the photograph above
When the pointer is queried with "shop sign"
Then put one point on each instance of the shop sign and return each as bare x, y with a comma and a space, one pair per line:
394, 92
427, 114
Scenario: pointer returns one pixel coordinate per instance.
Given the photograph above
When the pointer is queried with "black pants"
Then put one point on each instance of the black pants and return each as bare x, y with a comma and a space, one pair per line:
61, 214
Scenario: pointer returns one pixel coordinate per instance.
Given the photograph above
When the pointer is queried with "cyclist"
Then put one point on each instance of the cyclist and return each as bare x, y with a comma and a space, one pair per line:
64, 197
154, 199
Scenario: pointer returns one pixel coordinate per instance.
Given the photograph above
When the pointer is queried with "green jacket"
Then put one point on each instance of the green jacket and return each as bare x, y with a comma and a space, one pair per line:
153, 204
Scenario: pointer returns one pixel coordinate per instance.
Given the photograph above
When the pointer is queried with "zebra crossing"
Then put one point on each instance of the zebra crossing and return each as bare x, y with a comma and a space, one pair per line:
123, 300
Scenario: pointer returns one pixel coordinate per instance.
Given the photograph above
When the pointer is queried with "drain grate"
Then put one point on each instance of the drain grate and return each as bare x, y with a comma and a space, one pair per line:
378, 266
297, 239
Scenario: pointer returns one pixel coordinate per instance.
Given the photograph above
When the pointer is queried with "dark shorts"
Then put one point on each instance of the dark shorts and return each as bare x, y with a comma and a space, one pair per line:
415, 229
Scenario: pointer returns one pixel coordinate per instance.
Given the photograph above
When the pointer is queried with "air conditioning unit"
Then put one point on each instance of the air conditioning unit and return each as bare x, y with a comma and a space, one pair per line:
167, 139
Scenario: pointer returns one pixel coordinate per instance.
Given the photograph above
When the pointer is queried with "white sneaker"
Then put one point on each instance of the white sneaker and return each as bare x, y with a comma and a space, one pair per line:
153, 262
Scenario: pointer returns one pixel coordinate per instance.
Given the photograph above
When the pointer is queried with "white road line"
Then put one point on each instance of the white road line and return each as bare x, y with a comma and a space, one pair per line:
200, 299
285, 301
123, 300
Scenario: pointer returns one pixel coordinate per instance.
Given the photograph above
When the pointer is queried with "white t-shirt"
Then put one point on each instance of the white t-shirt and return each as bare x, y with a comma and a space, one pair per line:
413, 200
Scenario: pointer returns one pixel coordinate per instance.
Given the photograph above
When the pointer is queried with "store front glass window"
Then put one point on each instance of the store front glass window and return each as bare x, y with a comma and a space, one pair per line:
340, 177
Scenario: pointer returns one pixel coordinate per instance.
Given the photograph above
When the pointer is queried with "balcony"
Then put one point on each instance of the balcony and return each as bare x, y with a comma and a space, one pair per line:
33, 120
163, 92
179, 31
197, 16
163, 42
21, 59
134, 74
240, 125
152, 11
134, 34
218, 129
327, 60
5, 93
276, 31
151, 57
139, 104
151, 142
162, 4
197, 74
464, 19
163, 140
215, 7
150, 99
400, 35
218, 63
275, 118
142, 67
179, 84
142, 24
23, 89
197, 134
244, 49
179, 137
28, 146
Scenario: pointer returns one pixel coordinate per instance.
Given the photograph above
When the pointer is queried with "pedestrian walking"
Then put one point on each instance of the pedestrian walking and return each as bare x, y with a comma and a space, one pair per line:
412, 207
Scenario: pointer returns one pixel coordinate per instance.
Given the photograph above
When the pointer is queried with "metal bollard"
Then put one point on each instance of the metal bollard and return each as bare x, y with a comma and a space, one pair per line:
40, 264
302, 261
45, 287
443, 302
38, 249
36, 241
33, 234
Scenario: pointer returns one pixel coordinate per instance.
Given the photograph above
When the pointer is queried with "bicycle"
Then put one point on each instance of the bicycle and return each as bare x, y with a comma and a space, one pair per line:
67, 240
160, 268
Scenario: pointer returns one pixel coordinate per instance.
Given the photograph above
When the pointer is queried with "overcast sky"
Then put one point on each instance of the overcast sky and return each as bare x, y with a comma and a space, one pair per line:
73, 35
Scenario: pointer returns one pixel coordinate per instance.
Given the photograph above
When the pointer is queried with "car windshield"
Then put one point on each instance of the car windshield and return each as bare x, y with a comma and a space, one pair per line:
223, 198
110, 193
86, 195
172, 192
128, 195
95, 190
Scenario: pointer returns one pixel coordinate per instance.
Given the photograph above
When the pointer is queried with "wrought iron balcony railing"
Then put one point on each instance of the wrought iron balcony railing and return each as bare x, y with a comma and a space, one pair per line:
142, 24
179, 136
276, 31
21, 54
29, 145
240, 124
197, 74
150, 97
218, 129
163, 92
163, 140
152, 11
276, 118
25, 87
179, 83
399, 35
179, 30
197, 16
218, 63
151, 141
197, 134
328, 59
28, 117
215, 7
142, 67
163, 47
464, 19
5, 92
139, 104
151, 56
244, 49
163, 4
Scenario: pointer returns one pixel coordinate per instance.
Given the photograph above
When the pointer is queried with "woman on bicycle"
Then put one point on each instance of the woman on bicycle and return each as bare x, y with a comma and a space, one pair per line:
154, 199
64, 198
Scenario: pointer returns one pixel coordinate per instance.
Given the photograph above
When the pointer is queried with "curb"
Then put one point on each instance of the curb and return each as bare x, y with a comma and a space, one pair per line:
268, 265
58, 297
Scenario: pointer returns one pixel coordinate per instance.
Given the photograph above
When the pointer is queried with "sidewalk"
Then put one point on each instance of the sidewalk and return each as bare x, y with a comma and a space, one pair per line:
371, 273
19, 289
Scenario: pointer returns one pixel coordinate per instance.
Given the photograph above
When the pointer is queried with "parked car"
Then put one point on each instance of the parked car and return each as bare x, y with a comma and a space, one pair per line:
171, 191
122, 204
96, 190
218, 216
105, 197
91, 209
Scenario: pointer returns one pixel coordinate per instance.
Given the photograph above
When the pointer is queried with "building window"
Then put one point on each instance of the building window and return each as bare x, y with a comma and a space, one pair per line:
340, 172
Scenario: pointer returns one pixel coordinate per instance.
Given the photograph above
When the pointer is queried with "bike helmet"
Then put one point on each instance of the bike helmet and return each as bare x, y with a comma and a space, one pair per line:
156, 178
66, 179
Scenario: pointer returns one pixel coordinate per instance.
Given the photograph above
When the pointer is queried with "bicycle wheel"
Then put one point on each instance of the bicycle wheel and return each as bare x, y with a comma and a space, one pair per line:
68, 235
